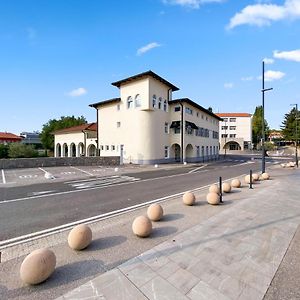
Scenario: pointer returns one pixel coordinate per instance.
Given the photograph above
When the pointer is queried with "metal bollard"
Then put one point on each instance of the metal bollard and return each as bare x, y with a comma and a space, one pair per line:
220, 185
250, 184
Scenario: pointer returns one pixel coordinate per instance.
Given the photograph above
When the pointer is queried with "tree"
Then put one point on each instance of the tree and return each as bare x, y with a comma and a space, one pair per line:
18, 150
289, 125
3, 151
52, 125
257, 126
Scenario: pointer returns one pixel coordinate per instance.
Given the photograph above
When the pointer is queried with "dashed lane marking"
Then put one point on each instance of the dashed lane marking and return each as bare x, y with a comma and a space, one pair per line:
40, 193
85, 172
199, 168
3, 176
27, 176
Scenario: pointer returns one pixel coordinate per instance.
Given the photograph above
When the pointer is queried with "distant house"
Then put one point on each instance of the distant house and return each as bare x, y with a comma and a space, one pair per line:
7, 137
76, 141
235, 131
31, 138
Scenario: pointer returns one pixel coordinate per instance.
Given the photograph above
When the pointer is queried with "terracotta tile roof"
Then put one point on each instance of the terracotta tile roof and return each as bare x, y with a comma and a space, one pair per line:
222, 115
78, 128
8, 135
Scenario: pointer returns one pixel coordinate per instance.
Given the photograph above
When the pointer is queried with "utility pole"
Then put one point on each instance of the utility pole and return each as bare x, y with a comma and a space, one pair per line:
296, 138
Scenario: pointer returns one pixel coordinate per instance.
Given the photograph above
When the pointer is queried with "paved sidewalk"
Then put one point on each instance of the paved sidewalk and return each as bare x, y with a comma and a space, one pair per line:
231, 255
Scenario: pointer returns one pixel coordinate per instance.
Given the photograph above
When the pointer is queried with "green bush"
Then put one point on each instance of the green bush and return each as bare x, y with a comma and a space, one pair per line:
3, 151
18, 150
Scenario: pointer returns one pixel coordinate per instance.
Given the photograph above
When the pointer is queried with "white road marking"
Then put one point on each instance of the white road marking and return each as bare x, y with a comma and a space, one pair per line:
41, 193
53, 230
43, 170
194, 170
27, 176
88, 173
67, 173
3, 176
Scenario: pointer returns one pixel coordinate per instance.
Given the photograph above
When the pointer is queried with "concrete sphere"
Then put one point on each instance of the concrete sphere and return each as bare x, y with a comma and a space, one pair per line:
265, 176
37, 266
255, 177
226, 187
214, 189
80, 237
236, 183
213, 198
155, 212
189, 198
142, 226
247, 179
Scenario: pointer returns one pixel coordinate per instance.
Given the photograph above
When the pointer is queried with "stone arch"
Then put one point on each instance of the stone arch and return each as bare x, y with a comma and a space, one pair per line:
232, 145
176, 152
65, 150
58, 152
189, 151
72, 150
91, 150
80, 149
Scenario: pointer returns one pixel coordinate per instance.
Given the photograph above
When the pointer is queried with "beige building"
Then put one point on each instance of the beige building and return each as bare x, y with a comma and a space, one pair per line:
145, 126
235, 131
76, 141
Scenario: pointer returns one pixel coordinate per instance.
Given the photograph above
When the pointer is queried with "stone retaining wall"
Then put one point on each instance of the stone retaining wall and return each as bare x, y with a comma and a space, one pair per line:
15, 163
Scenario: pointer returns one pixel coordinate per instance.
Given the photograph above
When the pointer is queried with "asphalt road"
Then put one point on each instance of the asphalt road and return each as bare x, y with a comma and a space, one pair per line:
27, 209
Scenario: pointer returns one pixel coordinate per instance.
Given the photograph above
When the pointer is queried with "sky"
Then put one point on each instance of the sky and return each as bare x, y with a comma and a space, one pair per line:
59, 56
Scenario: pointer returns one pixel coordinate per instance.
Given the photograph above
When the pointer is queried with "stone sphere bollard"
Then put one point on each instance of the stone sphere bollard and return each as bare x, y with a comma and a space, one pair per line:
226, 187
214, 189
142, 226
255, 177
155, 212
213, 198
189, 198
265, 176
283, 165
80, 237
236, 183
247, 179
37, 266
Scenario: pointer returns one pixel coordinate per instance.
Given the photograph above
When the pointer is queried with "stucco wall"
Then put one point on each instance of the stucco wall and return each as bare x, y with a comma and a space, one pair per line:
58, 161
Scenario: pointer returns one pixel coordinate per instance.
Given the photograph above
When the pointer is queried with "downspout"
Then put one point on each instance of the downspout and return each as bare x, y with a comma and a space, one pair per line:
181, 131
98, 150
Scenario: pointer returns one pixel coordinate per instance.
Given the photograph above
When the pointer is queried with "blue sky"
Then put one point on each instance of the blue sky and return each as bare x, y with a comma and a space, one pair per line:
58, 56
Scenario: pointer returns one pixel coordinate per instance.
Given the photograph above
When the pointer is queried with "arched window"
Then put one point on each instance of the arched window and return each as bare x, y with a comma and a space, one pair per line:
165, 105
154, 101
138, 100
159, 103
129, 102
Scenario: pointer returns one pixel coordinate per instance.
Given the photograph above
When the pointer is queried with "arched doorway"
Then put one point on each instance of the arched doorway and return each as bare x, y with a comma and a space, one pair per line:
73, 150
65, 151
231, 145
189, 151
80, 149
91, 150
58, 150
176, 152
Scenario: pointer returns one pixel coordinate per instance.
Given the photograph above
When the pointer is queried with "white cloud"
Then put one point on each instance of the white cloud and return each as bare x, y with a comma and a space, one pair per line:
272, 75
147, 48
264, 14
191, 3
268, 61
77, 92
228, 85
249, 78
293, 55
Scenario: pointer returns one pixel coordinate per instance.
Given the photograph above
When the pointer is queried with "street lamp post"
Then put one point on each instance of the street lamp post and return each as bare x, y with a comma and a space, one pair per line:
296, 138
263, 160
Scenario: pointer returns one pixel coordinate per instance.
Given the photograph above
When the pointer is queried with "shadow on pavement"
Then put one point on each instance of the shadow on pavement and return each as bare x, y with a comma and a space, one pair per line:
106, 242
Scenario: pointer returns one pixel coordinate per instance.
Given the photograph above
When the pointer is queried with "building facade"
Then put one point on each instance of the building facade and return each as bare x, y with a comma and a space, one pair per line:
31, 138
145, 126
235, 131
76, 141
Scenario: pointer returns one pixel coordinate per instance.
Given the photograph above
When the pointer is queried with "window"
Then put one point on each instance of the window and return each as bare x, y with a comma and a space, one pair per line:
202, 117
215, 134
118, 107
102, 147
188, 111
224, 135
165, 105
166, 127
107, 147
113, 148
232, 135
118, 124
154, 101
138, 101
232, 127
177, 108
159, 103
197, 114
225, 119
206, 118
166, 152
198, 151
129, 102
177, 130
202, 151
232, 119
224, 127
